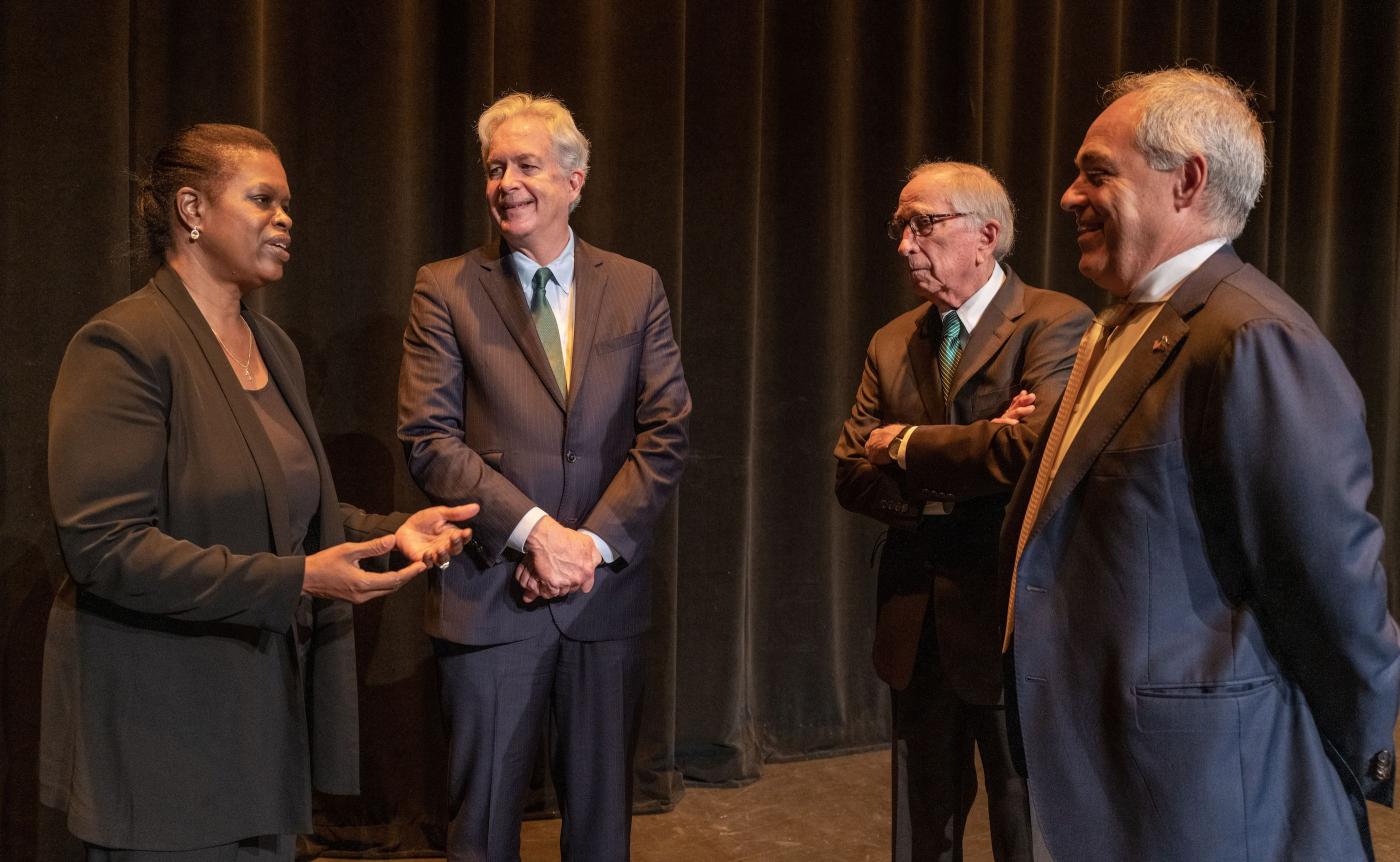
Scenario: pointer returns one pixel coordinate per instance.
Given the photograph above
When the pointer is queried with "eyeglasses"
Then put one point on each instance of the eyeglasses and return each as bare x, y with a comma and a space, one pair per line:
921, 224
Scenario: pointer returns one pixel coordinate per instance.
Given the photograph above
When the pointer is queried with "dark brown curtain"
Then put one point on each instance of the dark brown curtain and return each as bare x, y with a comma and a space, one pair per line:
751, 151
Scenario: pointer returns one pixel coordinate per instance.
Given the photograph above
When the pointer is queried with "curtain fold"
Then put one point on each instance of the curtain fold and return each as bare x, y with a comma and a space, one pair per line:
751, 152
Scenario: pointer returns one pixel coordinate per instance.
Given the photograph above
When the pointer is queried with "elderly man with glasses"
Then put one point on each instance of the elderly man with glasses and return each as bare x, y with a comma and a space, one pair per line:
942, 424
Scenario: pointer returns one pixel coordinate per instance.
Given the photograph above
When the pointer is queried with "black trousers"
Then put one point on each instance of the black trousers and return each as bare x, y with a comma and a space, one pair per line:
499, 699
265, 848
933, 775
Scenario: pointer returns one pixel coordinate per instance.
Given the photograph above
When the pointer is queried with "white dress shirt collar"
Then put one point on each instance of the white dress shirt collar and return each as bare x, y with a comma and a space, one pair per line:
970, 312
1159, 284
562, 267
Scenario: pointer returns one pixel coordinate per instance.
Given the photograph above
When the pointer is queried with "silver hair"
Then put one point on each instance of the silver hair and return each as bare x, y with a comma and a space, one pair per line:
570, 146
975, 190
1185, 111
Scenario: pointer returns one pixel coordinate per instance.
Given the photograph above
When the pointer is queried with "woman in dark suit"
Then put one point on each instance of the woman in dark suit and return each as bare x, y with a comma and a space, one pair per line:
199, 674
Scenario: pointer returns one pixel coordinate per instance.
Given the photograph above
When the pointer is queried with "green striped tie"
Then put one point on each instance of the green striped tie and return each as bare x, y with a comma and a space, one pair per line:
949, 351
547, 326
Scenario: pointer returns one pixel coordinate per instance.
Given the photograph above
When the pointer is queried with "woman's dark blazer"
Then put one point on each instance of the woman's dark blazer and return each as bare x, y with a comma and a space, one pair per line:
191, 696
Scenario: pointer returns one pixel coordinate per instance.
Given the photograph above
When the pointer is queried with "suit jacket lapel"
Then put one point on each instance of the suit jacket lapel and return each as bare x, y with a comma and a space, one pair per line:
1138, 370
996, 325
921, 362
590, 283
501, 285
240, 405
1153, 351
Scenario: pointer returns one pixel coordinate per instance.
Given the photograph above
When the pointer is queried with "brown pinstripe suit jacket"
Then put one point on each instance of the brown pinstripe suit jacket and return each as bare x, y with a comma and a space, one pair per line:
1025, 340
482, 420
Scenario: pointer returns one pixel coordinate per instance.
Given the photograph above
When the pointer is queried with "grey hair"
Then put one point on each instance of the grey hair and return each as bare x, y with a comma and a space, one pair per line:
570, 146
1186, 111
975, 190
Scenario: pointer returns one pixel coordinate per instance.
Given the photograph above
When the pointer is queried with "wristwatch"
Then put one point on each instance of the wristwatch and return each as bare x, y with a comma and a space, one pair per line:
897, 445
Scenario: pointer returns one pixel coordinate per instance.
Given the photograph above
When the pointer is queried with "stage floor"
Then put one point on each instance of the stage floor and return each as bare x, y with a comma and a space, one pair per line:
835, 809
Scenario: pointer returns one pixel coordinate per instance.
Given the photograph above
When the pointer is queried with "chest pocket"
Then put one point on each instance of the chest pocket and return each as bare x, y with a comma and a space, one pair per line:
1138, 461
618, 343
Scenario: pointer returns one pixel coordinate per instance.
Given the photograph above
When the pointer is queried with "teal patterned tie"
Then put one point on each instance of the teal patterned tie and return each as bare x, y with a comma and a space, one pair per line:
949, 351
547, 326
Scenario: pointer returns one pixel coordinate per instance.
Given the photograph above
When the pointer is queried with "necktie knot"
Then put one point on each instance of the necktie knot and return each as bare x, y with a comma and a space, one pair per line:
1116, 315
543, 276
952, 328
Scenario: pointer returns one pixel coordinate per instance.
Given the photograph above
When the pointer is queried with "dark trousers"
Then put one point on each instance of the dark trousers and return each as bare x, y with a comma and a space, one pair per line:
933, 775
499, 699
266, 848
1039, 852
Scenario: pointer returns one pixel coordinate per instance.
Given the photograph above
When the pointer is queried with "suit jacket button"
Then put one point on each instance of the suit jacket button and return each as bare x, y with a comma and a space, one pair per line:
570, 457
1382, 765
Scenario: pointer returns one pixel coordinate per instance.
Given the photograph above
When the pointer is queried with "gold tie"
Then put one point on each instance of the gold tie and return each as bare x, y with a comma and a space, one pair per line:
1091, 350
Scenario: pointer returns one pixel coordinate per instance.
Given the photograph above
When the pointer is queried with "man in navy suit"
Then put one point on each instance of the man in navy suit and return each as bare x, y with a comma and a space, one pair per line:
1203, 663
540, 379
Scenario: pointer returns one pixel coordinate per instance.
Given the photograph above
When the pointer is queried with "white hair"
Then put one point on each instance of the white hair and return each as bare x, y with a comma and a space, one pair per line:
1196, 111
975, 190
570, 146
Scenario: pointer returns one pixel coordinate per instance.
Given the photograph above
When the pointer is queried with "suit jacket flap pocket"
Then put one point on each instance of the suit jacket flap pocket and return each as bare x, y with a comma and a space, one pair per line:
619, 342
1199, 707
1149, 460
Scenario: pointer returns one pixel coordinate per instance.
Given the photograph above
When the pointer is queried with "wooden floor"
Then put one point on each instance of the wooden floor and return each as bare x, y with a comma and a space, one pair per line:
832, 809
835, 810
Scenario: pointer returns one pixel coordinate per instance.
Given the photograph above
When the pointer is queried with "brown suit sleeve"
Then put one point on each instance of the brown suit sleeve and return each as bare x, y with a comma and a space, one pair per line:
981, 458
430, 422
861, 486
626, 513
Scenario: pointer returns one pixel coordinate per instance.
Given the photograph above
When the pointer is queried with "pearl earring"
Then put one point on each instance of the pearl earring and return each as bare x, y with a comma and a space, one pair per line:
194, 233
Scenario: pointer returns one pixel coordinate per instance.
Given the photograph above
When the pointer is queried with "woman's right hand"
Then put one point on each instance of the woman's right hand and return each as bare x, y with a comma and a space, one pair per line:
335, 573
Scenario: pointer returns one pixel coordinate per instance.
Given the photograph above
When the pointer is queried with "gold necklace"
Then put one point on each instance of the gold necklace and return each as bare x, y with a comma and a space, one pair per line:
243, 364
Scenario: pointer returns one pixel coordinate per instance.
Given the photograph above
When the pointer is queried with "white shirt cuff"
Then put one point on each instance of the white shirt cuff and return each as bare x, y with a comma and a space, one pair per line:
903, 447
522, 529
604, 549
532, 517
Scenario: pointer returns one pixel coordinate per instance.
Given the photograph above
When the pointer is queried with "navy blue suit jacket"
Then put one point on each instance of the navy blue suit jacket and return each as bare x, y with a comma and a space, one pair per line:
1204, 664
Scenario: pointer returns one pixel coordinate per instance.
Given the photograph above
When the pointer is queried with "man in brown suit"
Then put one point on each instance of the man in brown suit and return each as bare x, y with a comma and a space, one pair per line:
927, 451
540, 378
